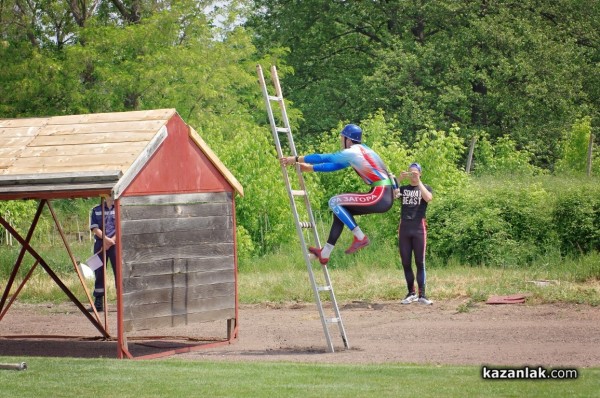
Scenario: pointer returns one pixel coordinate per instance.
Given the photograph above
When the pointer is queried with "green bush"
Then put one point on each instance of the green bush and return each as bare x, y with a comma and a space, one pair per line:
508, 222
463, 226
501, 158
577, 217
264, 211
73, 215
574, 148
17, 213
493, 223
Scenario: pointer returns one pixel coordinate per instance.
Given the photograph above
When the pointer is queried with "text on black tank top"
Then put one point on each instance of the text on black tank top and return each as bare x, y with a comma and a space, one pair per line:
413, 205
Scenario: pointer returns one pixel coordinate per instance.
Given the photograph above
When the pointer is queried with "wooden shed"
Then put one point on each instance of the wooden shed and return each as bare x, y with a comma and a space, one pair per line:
174, 212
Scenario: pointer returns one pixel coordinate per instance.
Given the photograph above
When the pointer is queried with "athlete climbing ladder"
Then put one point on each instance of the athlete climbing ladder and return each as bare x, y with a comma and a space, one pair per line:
303, 198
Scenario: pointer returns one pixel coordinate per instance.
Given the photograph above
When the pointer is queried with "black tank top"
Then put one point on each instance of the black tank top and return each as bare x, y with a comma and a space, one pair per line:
413, 206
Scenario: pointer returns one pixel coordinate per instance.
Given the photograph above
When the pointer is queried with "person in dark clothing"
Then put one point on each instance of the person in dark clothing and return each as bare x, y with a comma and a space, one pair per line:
104, 236
412, 231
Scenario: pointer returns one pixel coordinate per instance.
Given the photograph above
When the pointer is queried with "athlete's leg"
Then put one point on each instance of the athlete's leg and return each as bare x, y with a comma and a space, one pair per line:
419, 246
345, 206
344, 214
336, 230
405, 248
340, 212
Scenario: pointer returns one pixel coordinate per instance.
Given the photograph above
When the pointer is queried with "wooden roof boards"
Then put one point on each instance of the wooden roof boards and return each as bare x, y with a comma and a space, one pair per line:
57, 185
85, 146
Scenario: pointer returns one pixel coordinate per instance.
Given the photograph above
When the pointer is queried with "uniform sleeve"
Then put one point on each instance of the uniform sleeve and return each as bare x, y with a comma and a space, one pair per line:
94, 222
327, 167
326, 162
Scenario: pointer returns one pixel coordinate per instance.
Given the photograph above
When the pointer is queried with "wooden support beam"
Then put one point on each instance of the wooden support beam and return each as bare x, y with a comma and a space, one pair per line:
13, 274
52, 274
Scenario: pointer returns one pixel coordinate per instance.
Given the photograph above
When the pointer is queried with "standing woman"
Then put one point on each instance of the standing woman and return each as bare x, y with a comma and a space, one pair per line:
412, 231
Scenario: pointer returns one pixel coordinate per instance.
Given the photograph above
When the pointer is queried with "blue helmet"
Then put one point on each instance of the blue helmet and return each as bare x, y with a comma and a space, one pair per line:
416, 166
353, 132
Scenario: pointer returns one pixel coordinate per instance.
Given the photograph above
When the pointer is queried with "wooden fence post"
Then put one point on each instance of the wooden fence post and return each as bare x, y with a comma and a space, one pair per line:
589, 155
471, 150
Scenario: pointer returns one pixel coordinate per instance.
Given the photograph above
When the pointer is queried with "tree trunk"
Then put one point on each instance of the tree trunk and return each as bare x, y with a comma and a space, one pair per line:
133, 14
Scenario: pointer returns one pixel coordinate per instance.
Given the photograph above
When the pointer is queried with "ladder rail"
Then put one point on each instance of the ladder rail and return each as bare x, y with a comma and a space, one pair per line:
291, 195
284, 116
284, 171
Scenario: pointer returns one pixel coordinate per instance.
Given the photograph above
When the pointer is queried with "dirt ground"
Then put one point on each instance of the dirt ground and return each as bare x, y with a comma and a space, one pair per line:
552, 335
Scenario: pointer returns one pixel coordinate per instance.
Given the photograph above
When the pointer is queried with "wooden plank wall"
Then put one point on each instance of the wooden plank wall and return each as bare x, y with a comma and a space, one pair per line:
178, 259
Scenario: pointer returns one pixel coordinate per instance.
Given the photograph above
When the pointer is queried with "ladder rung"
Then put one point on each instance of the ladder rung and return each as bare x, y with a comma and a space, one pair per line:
276, 130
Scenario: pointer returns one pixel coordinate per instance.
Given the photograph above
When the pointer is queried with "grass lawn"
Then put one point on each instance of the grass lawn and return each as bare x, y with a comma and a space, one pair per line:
275, 278
67, 377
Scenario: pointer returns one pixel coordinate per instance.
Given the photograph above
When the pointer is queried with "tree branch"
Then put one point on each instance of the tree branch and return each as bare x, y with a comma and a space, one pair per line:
132, 16
30, 25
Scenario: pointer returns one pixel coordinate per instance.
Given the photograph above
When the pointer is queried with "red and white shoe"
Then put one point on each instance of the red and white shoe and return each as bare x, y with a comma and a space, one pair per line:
317, 254
357, 245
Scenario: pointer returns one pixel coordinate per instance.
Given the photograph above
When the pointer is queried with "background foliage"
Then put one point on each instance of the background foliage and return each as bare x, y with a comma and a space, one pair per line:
422, 79
522, 68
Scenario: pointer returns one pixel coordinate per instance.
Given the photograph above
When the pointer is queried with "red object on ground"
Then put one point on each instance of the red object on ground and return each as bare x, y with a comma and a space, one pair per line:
510, 299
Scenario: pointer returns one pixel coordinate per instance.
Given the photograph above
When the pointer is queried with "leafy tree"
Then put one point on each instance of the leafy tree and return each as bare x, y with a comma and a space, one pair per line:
521, 69
502, 158
438, 153
18, 212
129, 55
574, 148
419, 77
332, 46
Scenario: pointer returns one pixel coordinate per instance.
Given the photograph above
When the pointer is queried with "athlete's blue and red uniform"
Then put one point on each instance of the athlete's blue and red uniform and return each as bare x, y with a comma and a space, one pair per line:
369, 166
